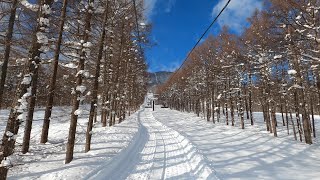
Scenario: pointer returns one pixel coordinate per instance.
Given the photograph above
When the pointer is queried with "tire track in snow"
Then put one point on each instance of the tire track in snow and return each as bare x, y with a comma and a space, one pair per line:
147, 168
147, 155
173, 163
175, 156
156, 152
119, 166
163, 154
163, 175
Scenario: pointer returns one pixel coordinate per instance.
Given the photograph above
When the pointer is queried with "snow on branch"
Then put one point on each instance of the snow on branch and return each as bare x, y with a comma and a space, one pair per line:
32, 7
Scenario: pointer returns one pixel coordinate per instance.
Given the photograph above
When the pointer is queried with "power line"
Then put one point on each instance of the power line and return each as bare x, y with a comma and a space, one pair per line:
205, 32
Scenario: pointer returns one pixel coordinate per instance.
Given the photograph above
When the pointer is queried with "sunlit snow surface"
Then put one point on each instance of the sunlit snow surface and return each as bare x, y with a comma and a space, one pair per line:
165, 144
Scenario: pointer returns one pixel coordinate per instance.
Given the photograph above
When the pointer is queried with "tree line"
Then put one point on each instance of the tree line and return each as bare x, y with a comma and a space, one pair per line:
90, 50
273, 66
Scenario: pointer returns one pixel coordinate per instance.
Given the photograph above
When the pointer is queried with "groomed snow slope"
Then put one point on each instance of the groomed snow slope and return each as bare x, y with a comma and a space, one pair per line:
167, 144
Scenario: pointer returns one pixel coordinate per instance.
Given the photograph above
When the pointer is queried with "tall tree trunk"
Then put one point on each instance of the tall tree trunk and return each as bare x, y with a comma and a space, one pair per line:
34, 65
208, 109
8, 41
296, 105
213, 105
306, 120
96, 83
274, 119
312, 116
246, 101
293, 127
76, 101
231, 107
226, 104
8, 140
111, 110
286, 111
250, 100
282, 115
48, 111
241, 112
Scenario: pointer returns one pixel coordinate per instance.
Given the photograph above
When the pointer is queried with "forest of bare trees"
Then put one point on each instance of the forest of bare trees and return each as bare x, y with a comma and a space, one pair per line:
69, 52
273, 67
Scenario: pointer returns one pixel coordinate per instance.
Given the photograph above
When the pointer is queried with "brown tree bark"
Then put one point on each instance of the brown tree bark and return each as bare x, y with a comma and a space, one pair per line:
96, 82
34, 64
48, 110
76, 101
8, 42
274, 119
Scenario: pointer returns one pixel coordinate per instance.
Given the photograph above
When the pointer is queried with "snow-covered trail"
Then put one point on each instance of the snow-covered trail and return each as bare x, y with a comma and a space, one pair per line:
157, 152
166, 144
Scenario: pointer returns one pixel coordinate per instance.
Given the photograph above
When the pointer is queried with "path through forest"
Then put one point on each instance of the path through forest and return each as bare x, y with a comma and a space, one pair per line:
158, 152
167, 144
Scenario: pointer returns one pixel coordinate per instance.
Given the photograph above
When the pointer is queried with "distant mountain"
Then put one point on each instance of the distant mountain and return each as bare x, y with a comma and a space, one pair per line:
157, 78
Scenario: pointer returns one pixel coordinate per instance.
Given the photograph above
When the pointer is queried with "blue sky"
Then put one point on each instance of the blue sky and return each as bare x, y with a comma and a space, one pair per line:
177, 25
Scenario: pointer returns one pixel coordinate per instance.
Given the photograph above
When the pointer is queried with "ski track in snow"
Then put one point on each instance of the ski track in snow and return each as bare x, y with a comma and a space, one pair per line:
167, 144
157, 152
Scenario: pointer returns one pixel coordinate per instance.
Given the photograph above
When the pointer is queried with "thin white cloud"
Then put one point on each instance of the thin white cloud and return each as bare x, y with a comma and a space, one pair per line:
150, 7
236, 14
171, 67
156, 65
170, 5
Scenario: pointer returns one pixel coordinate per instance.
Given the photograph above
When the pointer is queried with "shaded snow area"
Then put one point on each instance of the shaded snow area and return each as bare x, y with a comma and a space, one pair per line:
166, 144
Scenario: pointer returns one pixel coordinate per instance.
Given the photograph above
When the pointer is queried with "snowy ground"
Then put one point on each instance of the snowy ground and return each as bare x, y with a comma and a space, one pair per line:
46, 161
252, 153
166, 144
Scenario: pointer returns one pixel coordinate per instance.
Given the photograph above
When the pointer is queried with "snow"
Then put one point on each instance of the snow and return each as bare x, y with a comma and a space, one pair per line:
156, 152
46, 9
78, 112
23, 103
42, 38
87, 45
5, 162
84, 73
81, 88
277, 57
44, 21
26, 79
165, 144
69, 65
292, 72
32, 7
46, 161
295, 86
9, 134
252, 153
